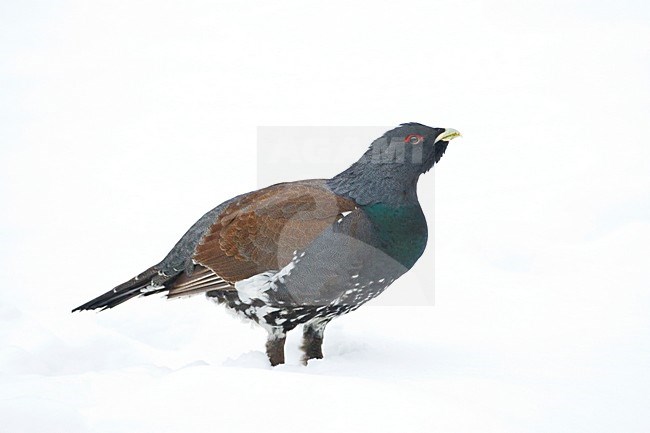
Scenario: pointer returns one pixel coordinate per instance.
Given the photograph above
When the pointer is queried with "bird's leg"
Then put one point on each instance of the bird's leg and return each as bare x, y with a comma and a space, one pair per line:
275, 346
312, 340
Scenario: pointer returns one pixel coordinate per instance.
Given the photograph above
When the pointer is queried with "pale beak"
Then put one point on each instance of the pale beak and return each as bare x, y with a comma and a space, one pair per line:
448, 135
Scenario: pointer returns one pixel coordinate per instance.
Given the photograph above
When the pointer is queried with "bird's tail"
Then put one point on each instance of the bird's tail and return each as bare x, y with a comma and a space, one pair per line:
144, 284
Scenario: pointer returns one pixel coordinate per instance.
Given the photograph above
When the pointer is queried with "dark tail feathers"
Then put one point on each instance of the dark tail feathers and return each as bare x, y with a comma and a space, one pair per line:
125, 291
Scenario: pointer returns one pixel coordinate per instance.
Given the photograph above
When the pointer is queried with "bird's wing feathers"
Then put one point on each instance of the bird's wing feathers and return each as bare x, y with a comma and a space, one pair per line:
245, 236
260, 232
200, 280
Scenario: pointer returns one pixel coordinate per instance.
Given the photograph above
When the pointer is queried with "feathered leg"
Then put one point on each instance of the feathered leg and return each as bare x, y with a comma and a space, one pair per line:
312, 340
275, 346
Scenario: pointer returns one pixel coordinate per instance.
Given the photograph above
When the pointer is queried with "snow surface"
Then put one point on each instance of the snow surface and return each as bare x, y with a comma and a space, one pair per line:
123, 122
490, 359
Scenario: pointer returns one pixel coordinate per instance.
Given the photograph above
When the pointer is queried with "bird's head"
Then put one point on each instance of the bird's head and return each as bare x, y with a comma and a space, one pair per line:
389, 170
413, 146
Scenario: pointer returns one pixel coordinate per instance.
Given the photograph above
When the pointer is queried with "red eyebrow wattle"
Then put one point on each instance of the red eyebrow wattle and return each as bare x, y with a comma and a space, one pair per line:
408, 137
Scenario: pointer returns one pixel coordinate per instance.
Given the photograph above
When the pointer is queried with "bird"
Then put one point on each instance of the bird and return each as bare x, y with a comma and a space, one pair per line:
308, 251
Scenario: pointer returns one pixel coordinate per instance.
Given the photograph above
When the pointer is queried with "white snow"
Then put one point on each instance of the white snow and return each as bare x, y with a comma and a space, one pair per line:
122, 123
188, 365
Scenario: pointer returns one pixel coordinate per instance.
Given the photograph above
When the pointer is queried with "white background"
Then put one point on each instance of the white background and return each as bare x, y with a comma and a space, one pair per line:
122, 122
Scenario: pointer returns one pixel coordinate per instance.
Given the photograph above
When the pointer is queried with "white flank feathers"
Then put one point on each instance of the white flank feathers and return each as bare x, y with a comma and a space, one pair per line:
256, 286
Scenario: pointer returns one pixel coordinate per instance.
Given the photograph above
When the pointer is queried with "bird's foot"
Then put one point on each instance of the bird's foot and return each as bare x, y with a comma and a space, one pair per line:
312, 350
312, 341
275, 347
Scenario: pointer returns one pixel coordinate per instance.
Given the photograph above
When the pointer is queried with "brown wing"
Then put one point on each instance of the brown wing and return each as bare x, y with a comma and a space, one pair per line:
261, 232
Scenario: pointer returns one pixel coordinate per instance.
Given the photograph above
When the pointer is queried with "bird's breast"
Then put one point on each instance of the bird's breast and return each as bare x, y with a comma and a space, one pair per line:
402, 230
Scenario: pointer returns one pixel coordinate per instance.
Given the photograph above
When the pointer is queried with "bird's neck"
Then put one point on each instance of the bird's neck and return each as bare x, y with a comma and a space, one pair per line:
367, 183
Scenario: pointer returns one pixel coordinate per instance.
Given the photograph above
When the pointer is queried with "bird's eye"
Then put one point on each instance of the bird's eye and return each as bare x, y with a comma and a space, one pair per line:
414, 139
